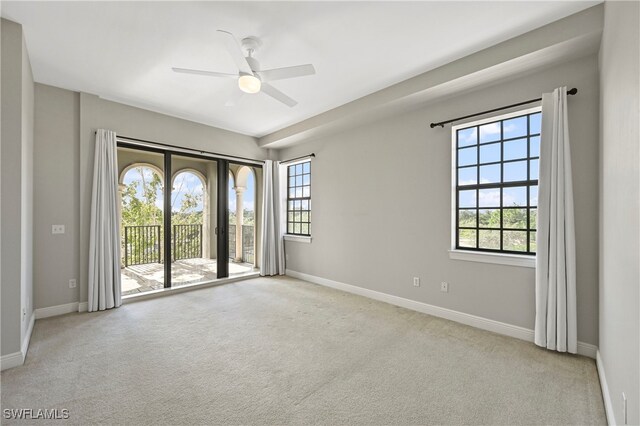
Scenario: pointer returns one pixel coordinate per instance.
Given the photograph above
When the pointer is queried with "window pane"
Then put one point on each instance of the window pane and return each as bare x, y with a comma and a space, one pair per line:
467, 218
304, 204
304, 228
533, 216
306, 179
292, 181
298, 180
292, 170
489, 239
296, 228
490, 174
490, 132
306, 191
467, 199
533, 195
290, 206
467, 156
468, 176
516, 196
515, 149
292, 192
532, 242
298, 192
534, 169
290, 228
489, 198
514, 218
296, 217
515, 171
467, 137
296, 204
306, 167
298, 169
489, 218
534, 148
290, 217
514, 240
534, 123
304, 217
490, 153
514, 127
467, 238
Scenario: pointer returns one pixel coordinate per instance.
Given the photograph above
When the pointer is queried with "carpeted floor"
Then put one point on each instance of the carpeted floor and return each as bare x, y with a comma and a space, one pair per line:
282, 351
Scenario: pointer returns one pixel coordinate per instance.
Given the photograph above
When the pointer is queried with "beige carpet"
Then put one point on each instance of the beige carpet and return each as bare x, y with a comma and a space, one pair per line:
282, 351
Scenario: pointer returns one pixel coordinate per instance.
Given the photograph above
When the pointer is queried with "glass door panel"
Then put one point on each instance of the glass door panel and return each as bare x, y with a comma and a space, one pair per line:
141, 193
193, 220
242, 218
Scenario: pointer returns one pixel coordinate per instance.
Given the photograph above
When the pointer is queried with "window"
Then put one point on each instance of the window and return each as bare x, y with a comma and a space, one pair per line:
299, 199
496, 183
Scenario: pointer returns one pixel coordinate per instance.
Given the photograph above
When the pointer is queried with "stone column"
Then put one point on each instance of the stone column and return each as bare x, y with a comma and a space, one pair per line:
121, 230
239, 220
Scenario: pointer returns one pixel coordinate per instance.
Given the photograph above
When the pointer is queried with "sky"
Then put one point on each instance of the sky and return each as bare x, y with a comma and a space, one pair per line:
490, 152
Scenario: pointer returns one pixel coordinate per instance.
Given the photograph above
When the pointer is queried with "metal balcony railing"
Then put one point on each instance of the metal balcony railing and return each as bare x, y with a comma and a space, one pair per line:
142, 245
247, 243
187, 242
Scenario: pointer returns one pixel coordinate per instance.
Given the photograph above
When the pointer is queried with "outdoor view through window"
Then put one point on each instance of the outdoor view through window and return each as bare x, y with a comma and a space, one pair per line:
496, 184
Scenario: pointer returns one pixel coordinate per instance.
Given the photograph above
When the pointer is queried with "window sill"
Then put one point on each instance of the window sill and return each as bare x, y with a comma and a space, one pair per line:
496, 258
297, 238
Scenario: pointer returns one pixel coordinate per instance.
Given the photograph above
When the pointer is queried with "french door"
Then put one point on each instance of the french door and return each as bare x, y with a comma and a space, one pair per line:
176, 225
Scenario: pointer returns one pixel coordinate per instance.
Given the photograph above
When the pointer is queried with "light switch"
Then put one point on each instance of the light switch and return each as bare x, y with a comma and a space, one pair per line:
57, 229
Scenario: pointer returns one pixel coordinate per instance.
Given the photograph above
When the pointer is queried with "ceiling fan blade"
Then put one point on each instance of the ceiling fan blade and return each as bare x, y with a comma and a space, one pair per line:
235, 50
202, 72
287, 72
235, 98
277, 95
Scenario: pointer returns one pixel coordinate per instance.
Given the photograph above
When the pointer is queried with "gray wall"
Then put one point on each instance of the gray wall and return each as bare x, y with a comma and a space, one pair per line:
381, 209
620, 207
57, 198
65, 125
17, 188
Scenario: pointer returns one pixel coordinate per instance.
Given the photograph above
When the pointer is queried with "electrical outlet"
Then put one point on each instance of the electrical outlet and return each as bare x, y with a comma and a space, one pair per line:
624, 408
57, 229
416, 281
444, 287
72, 283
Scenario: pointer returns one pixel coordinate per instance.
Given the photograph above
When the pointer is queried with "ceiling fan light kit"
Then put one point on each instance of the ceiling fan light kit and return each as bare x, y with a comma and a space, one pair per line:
251, 79
249, 84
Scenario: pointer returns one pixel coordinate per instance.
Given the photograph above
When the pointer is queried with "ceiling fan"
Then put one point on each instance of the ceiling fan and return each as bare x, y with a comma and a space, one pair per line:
251, 79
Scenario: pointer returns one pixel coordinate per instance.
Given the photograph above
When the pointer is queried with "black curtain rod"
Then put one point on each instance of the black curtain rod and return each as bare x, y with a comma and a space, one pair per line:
442, 123
298, 158
195, 151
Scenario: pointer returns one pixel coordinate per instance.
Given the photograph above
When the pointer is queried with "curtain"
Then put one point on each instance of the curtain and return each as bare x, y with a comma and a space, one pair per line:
104, 239
272, 216
556, 318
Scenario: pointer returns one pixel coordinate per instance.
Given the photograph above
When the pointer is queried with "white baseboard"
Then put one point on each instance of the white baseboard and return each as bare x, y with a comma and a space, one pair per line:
518, 332
608, 407
11, 360
67, 308
16, 359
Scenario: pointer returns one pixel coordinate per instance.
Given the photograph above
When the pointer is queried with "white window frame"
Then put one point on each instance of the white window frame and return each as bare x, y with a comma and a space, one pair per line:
528, 261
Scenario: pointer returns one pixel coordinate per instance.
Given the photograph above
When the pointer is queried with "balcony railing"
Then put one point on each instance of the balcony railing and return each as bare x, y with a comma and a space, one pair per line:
247, 243
187, 242
142, 245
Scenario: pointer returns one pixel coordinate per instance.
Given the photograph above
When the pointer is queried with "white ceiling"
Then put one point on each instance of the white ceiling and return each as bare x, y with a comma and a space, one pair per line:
124, 51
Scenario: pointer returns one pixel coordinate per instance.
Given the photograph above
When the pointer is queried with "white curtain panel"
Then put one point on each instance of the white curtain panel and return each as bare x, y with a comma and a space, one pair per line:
104, 238
556, 318
272, 238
